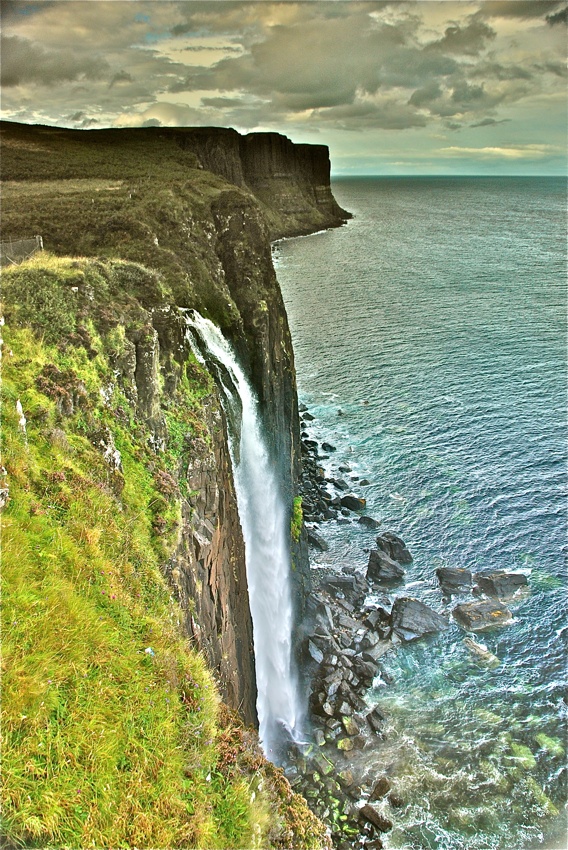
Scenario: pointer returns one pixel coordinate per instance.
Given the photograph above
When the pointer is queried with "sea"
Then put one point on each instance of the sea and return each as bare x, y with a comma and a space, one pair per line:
430, 343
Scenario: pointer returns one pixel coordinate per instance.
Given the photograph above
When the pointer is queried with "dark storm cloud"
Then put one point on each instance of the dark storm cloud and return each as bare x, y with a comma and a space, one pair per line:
120, 77
26, 62
326, 62
557, 68
560, 17
387, 114
496, 71
467, 40
490, 122
425, 95
523, 9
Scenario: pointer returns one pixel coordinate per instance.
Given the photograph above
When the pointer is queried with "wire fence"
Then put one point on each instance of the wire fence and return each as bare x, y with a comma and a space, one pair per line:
17, 250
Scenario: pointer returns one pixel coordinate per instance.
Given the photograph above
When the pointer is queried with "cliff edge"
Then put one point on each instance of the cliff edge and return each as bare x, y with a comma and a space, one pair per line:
199, 207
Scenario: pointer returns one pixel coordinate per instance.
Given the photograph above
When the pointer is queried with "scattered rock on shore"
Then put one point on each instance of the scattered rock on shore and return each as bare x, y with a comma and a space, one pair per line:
485, 614
411, 619
454, 580
369, 522
382, 568
381, 789
394, 547
371, 815
353, 503
500, 584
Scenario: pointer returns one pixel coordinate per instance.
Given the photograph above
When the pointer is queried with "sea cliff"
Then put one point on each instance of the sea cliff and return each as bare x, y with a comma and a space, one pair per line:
172, 220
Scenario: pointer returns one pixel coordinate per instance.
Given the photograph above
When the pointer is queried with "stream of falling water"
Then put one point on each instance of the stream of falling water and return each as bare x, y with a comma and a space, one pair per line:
266, 530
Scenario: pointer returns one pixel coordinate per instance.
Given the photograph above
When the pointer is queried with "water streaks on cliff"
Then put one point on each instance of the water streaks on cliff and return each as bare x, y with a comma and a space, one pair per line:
266, 531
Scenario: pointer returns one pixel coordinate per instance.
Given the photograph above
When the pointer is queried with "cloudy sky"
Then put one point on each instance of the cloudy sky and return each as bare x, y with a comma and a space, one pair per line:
392, 87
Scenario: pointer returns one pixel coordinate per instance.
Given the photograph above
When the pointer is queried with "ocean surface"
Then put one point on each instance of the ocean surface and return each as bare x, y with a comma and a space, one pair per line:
430, 343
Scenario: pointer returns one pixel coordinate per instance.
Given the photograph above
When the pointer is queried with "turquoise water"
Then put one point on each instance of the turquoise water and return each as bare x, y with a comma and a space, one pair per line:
435, 322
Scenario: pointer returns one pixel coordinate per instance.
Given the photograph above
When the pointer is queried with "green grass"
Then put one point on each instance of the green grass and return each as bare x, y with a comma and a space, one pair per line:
113, 730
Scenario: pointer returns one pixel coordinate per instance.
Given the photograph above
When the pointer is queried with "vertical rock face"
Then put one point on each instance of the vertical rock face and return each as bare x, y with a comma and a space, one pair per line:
265, 346
291, 181
208, 568
218, 150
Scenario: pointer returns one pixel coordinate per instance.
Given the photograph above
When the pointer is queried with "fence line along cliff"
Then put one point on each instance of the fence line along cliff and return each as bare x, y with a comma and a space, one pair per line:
15, 251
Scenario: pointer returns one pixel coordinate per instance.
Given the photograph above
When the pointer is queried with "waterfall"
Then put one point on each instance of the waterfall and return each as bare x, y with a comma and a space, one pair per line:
265, 522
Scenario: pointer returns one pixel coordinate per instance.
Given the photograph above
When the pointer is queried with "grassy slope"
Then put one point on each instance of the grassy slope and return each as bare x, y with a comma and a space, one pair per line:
122, 194
104, 743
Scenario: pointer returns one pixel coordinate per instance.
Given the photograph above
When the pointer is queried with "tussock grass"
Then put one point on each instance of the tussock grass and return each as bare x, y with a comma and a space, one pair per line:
113, 731
104, 743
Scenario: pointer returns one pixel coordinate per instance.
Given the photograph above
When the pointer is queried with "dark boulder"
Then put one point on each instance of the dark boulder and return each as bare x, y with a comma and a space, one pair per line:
394, 547
369, 522
383, 568
375, 720
454, 580
500, 584
371, 815
486, 614
339, 483
327, 447
353, 503
411, 619
380, 614
307, 417
365, 670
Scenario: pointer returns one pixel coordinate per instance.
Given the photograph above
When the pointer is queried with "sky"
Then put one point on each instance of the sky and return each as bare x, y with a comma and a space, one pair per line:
396, 87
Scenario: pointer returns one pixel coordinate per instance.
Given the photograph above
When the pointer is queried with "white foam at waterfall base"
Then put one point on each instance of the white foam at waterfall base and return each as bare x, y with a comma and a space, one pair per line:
266, 530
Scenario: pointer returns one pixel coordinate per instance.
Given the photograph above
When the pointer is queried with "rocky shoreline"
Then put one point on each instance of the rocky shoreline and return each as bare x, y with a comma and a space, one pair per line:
354, 620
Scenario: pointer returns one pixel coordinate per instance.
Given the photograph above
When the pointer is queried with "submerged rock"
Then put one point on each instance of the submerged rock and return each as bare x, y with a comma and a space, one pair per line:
394, 547
395, 800
500, 584
317, 541
454, 580
411, 619
375, 720
481, 653
486, 614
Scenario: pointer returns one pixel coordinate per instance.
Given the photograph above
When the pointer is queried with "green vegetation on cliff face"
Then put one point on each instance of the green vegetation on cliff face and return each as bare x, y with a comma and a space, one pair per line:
297, 520
113, 730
